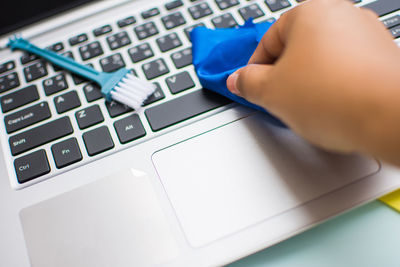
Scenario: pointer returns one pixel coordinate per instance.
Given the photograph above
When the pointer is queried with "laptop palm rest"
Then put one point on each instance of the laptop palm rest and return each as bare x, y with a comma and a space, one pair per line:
245, 172
114, 221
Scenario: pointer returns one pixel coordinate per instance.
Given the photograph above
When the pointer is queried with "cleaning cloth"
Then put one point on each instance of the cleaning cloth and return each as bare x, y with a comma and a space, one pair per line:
217, 53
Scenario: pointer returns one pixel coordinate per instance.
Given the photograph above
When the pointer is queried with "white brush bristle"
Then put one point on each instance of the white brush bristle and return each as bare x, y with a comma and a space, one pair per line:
132, 91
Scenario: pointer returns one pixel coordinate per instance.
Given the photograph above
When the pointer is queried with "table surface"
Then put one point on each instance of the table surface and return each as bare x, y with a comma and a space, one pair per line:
366, 236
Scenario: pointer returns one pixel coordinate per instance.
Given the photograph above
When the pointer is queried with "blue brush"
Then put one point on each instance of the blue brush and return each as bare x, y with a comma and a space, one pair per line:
121, 86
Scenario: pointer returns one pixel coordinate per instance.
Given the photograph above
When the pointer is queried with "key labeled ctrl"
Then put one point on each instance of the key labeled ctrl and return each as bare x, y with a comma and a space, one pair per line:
31, 166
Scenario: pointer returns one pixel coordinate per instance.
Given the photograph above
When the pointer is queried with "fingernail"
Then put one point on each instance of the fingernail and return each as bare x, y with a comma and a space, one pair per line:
231, 83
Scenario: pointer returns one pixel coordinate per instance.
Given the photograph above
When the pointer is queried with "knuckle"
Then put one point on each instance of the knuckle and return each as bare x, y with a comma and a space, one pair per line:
243, 80
251, 82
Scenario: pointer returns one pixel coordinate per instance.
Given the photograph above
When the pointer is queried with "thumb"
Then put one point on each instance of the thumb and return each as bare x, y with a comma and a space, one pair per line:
251, 82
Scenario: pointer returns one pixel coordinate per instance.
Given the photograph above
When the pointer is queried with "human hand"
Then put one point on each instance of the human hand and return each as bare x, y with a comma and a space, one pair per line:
331, 72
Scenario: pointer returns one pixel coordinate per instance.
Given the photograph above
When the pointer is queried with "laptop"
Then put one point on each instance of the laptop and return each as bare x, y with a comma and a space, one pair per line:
191, 179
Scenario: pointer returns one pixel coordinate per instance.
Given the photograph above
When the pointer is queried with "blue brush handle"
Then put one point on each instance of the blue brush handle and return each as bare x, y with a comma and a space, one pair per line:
59, 60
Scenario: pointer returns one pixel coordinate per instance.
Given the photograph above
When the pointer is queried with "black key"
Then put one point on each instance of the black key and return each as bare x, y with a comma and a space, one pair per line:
27, 117
19, 98
66, 153
129, 129
31, 166
66, 54
112, 63
57, 47
154, 97
276, 5
40, 135
55, 84
224, 4
28, 57
200, 10
140, 52
126, 21
252, 11
383, 7
392, 21
146, 30
67, 101
183, 108
8, 82
9, 65
150, 13
78, 79
115, 109
173, 4
89, 116
395, 31
168, 42
182, 58
35, 71
155, 68
98, 141
90, 50
224, 21
118, 40
189, 29
78, 39
92, 92
173, 20
102, 30
179, 82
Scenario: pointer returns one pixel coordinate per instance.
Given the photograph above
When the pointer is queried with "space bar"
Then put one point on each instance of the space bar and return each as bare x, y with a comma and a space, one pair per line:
183, 108
383, 7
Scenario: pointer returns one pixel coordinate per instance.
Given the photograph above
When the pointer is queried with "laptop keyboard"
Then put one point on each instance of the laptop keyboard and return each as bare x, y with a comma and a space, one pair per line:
55, 121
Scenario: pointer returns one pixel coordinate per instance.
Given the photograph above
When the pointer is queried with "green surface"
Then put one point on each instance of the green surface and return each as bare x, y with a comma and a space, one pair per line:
367, 236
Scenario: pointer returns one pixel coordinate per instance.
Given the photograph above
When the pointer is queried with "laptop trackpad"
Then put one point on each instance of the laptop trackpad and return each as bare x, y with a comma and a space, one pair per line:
245, 172
114, 221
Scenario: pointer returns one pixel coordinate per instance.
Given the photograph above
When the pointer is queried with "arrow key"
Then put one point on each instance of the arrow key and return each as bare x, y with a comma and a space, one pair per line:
67, 101
66, 153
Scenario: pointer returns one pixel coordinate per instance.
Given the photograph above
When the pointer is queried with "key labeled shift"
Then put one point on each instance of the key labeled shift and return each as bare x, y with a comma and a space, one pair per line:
40, 135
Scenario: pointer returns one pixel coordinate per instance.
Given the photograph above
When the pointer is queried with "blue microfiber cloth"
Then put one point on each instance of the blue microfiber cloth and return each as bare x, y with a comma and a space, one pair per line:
217, 53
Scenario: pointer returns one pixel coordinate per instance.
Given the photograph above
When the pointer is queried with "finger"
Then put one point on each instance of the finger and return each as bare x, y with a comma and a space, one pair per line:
251, 83
273, 42
370, 13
